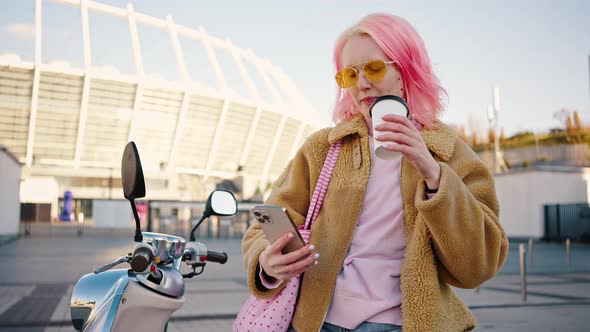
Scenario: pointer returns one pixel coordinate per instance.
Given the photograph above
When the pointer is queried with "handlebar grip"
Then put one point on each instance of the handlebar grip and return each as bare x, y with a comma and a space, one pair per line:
217, 257
142, 257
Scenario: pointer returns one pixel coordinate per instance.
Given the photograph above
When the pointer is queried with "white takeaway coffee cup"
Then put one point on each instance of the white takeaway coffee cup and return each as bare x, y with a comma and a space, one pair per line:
383, 105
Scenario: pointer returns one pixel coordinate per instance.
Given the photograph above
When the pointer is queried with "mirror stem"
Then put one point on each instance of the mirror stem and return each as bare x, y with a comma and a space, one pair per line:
192, 237
138, 236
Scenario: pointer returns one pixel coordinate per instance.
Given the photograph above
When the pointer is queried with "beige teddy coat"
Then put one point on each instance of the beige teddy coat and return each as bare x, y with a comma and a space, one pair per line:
453, 238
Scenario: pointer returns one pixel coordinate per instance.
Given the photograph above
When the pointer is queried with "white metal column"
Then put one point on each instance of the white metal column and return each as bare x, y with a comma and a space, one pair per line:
181, 64
222, 83
297, 141
135, 41
252, 90
86, 84
273, 149
36, 79
178, 132
218, 131
250, 138
136, 103
262, 70
138, 67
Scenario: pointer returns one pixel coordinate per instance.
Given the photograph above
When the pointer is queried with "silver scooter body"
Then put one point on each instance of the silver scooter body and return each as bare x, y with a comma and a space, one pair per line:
122, 300
144, 297
96, 297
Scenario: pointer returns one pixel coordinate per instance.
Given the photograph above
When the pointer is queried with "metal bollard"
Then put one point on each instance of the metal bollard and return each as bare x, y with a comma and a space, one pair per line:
530, 252
522, 253
567, 252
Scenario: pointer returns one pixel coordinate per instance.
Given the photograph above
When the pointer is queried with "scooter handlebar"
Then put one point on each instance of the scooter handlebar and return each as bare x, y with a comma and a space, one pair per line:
197, 253
217, 257
142, 257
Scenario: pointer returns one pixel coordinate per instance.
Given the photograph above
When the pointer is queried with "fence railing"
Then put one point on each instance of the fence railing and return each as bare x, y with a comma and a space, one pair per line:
564, 221
216, 228
27, 229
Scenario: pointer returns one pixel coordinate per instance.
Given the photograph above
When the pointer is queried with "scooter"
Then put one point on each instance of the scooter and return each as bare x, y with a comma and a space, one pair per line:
144, 296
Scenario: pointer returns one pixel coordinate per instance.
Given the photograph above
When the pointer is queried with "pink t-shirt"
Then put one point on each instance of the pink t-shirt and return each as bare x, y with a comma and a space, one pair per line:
368, 286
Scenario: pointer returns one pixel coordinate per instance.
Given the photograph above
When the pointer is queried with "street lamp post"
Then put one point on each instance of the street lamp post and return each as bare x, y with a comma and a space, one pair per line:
492, 121
493, 110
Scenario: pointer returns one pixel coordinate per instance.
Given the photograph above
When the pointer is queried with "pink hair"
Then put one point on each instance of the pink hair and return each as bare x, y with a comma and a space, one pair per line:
401, 43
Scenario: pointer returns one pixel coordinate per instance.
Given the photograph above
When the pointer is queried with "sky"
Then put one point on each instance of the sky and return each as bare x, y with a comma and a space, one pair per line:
536, 52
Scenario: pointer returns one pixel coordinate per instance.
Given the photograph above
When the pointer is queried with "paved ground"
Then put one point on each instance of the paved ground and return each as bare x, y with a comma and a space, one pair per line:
38, 275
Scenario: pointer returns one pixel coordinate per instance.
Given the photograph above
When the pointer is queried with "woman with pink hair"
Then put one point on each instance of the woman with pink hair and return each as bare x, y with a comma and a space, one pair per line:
393, 235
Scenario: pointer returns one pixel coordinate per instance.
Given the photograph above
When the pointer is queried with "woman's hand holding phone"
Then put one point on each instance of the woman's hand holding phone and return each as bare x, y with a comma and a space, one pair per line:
285, 266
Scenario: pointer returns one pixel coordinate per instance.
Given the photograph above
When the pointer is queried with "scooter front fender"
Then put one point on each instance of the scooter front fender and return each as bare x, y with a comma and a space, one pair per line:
96, 298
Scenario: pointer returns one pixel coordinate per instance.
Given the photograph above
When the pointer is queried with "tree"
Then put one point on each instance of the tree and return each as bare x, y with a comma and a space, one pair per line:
577, 122
562, 116
462, 134
569, 126
522, 135
475, 127
474, 140
491, 136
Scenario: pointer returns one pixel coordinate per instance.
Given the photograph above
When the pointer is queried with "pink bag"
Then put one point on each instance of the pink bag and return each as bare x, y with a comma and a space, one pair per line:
275, 313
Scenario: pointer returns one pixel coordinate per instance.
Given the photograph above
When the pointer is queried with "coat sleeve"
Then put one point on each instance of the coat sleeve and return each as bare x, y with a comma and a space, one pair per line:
462, 218
290, 190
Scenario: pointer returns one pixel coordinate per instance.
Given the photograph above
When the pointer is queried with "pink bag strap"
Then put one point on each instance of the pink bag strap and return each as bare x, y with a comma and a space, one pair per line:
322, 185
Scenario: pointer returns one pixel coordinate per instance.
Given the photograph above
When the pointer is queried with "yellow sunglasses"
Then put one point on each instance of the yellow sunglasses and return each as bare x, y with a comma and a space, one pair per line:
374, 71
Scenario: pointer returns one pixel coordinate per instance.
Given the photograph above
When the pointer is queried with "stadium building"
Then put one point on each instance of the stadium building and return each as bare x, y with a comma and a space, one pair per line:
68, 125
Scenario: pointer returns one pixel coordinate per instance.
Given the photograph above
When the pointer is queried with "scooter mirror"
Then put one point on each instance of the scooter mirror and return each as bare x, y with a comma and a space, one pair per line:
131, 173
133, 182
221, 203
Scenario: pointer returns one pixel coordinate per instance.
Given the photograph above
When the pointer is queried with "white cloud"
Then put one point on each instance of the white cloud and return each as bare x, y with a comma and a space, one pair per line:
20, 30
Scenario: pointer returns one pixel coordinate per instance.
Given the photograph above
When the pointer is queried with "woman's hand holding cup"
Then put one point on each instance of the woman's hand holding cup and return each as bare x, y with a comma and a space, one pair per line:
394, 133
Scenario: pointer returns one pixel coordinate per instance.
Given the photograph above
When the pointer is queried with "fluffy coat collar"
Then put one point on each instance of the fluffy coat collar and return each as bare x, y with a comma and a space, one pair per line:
440, 139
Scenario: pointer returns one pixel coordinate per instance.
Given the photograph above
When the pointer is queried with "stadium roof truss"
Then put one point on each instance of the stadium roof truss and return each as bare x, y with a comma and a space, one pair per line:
55, 115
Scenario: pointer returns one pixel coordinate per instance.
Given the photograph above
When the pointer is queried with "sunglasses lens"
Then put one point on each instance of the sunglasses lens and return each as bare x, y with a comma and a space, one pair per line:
375, 70
346, 77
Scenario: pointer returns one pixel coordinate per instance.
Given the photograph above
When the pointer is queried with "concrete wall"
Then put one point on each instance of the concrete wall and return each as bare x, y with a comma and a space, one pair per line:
112, 214
570, 154
41, 190
9, 195
523, 194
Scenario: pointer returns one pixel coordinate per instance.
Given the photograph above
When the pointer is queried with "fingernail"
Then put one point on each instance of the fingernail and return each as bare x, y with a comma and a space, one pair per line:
315, 263
290, 235
311, 247
316, 256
